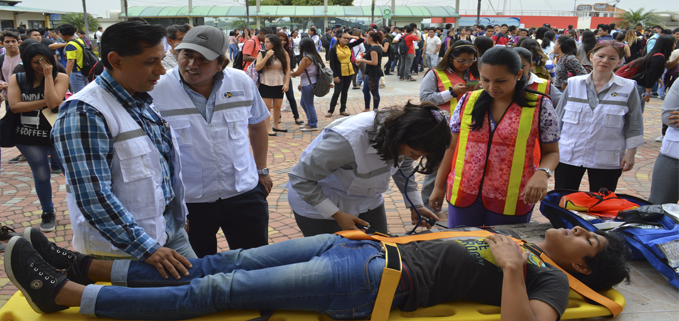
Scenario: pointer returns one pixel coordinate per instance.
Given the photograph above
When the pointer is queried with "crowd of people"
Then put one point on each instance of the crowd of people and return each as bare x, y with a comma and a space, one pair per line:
168, 135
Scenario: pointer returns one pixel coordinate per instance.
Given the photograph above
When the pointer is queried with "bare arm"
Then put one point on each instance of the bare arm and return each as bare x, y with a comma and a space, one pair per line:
261, 61
302, 65
55, 90
287, 73
385, 46
373, 59
438, 194
671, 64
69, 66
57, 45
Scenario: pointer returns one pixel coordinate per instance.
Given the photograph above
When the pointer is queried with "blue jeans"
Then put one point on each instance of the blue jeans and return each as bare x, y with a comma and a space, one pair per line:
325, 273
233, 51
77, 81
36, 156
307, 102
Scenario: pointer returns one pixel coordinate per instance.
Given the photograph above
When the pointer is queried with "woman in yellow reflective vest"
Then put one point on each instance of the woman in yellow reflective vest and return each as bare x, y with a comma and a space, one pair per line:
488, 174
445, 83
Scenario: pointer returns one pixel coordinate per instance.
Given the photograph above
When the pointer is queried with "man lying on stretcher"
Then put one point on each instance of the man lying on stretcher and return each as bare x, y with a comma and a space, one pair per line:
327, 273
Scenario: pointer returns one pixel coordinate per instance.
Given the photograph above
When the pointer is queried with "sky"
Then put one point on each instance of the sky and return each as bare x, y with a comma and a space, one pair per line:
100, 8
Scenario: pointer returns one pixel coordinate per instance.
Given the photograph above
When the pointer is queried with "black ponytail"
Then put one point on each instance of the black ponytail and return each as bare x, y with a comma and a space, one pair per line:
501, 56
547, 40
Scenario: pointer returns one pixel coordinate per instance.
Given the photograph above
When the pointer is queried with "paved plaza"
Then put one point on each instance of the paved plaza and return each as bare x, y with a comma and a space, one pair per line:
649, 296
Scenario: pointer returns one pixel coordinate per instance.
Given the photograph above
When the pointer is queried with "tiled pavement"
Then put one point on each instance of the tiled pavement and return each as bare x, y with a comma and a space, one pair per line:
649, 297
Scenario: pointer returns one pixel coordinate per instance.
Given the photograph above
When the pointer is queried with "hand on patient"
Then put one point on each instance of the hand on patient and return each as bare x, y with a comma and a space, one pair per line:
507, 253
166, 258
347, 221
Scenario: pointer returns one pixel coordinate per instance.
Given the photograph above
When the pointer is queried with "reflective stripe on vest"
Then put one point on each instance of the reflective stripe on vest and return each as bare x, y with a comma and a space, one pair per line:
542, 88
444, 80
525, 131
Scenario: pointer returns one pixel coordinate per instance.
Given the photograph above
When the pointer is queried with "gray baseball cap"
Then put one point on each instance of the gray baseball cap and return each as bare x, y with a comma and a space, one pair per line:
209, 41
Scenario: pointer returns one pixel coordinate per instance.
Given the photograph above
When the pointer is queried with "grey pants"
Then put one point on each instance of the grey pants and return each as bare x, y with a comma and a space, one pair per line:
404, 66
310, 226
428, 187
665, 180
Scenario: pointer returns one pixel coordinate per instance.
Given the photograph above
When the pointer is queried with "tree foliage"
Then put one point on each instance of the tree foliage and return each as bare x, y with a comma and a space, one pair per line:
76, 19
631, 18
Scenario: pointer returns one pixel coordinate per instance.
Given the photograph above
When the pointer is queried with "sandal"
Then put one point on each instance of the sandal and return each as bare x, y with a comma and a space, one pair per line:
273, 134
344, 113
279, 130
299, 122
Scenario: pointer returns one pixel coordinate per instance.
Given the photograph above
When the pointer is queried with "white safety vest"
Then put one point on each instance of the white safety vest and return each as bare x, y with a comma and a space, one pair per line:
216, 158
354, 190
136, 177
595, 138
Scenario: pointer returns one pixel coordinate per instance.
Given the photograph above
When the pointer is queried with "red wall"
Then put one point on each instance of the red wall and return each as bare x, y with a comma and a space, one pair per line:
599, 20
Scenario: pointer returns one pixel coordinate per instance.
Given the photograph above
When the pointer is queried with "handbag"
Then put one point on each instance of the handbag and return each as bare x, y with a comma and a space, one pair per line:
8, 126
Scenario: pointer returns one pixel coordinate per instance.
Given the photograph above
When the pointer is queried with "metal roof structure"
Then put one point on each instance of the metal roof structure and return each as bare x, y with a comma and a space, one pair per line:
291, 11
33, 10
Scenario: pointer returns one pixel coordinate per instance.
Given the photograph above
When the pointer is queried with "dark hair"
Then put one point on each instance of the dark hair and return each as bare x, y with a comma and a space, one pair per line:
99, 28
129, 38
620, 36
675, 30
662, 45
534, 49
171, 31
524, 54
605, 27
570, 26
21, 29
279, 52
608, 266
9, 33
33, 49
449, 25
267, 31
30, 31
288, 47
25, 44
547, 40
512, 28
312, 29
414, 25
567, 45
414, 126
503, 25
460, 47
376, 37
500, 56
307, 48
408, 28
483, 44
67, 30
541, 32
588, 42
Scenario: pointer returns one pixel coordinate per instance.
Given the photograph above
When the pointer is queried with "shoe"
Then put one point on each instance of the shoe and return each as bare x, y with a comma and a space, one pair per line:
355, 87
344, 113
415, 73
34, 277
328, 115
401, 79
366, 110
48, 221
657, 140
382, 86
279, 130
654, 95
7, 233
56, 171
273, 134
412, 79
17, 159
299, 122
286, 108
309, 129
59, 258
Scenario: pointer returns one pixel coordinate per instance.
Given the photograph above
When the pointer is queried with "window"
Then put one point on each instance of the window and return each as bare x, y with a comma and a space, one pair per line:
35, 24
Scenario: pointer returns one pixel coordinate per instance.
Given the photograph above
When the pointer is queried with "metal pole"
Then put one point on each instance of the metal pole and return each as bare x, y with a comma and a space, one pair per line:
125, 5
478, 13
393, 11
247, 15
372, 12
190, 9
457, 8
325, 10
87, 31
258, 19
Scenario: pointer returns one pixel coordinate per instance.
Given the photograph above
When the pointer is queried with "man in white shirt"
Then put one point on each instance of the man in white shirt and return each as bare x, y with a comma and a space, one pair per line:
175, 35
97, 35
432, 47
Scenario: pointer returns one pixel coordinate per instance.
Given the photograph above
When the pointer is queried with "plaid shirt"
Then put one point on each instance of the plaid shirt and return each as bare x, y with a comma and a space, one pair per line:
85, 146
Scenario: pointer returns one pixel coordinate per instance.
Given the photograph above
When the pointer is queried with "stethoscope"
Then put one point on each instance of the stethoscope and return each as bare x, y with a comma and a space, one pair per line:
421, 218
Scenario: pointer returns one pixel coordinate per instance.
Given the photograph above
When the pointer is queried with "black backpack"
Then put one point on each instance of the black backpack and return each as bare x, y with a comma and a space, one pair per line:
325, 41
89, 59
401, 46
238, 62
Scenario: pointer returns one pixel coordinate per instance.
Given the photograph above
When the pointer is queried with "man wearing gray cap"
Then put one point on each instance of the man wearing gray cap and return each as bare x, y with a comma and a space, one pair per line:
218, 115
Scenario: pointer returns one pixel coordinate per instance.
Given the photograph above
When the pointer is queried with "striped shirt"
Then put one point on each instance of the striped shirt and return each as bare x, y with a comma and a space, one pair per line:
85, 147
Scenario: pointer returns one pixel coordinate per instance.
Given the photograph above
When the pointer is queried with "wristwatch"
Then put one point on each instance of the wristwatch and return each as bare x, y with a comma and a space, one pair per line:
549, 172
263, 171
452, 92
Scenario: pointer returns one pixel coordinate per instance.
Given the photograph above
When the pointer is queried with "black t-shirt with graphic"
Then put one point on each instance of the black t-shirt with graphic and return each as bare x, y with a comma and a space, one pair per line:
463, 269
33, 129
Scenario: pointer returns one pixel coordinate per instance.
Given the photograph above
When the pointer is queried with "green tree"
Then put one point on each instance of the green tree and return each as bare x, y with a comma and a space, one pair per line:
76, 19
631, 18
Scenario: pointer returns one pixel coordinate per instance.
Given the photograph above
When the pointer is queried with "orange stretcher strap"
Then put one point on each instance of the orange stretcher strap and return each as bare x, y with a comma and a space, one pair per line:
383, 303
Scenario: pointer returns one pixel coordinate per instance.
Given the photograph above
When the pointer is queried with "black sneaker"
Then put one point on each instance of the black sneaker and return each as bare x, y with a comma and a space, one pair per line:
7, 232
17, 159
48, 221
34, 277
59, 257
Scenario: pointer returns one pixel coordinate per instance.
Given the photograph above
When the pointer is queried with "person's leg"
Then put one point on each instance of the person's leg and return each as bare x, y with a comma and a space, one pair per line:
492, 219
36, 156
408, 62
401, 64
360, 76
337, 91
312, 118
568, 176
374, 86
343, 279
269, 105
178, 238
472, 215
77, 81
354, 76
290, 95
247, 219
312, 226
413, 65
345, 93
607, 178
204, 222
366, 93
377, 218
665, 180
277, 103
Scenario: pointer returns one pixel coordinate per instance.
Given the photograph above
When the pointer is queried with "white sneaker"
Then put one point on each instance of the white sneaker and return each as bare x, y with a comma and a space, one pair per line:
659, 139
309, 129
286, 107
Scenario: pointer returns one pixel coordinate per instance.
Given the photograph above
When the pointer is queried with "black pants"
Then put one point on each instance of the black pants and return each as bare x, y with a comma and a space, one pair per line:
569, 177
244, 219
290, 95
340, 88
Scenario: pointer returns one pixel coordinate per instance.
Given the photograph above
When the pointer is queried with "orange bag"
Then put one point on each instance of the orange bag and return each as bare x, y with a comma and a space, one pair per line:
604, 203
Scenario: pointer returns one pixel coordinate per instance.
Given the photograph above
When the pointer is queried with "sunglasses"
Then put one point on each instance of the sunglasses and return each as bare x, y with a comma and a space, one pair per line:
612, 43
464, 61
